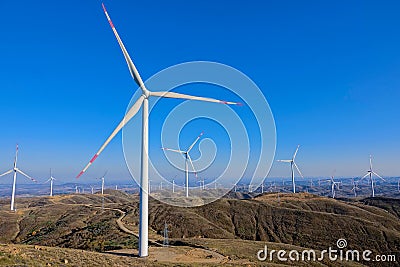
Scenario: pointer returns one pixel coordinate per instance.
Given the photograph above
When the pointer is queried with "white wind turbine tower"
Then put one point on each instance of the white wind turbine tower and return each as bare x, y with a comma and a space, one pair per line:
161, 185
51, 179
15, 170
293, 163
142, 101
149, 187
187, 160
92, 189
173, 184
398, 185
371, 179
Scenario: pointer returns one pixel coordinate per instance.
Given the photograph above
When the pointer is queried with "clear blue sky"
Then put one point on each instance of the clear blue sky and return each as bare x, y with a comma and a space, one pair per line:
330, 71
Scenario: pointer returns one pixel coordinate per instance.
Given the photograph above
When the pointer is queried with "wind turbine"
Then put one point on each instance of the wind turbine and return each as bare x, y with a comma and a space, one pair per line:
92, 187
311, 183
333, 184
215, 184
371, 179
51, 179
102, 182
272, 187
187, 159
149, 187
355, 187
204, 184
161, 185
143, 100
15, 170
398, 185
173, 184
201, 182
293, 163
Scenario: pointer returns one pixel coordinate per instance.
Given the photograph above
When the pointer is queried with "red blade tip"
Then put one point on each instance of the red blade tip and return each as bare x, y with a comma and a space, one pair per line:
79, 175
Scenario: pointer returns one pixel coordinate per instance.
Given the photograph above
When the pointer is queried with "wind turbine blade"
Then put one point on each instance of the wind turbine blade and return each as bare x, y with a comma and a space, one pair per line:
191, 163
129, 115
370, 162
295, 153
378, 175
132, 68
47, 181
364, 176
16, 156
195, 141
297, 168
173, 150
189, 97
7, 172
26, 175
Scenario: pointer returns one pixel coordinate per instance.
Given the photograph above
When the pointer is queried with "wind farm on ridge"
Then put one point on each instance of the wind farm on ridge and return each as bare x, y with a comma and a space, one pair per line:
118, 218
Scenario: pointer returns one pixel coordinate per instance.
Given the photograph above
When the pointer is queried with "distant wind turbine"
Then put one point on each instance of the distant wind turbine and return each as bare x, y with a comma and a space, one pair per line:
15, 170
398, 185
272, 187
355, 187
187, 160
51, 179
311, 183
333, 185
142, 101
201, 182
293, 163
370, 172
102, 182
173, 184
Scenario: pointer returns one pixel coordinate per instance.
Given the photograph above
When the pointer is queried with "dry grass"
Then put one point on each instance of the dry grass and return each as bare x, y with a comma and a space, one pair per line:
236, 228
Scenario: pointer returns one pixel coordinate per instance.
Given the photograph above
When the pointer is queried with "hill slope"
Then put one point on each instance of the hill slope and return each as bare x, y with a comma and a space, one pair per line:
304, 220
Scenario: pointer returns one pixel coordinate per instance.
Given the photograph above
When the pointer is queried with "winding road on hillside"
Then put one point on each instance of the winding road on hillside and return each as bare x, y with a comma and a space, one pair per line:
173, 254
